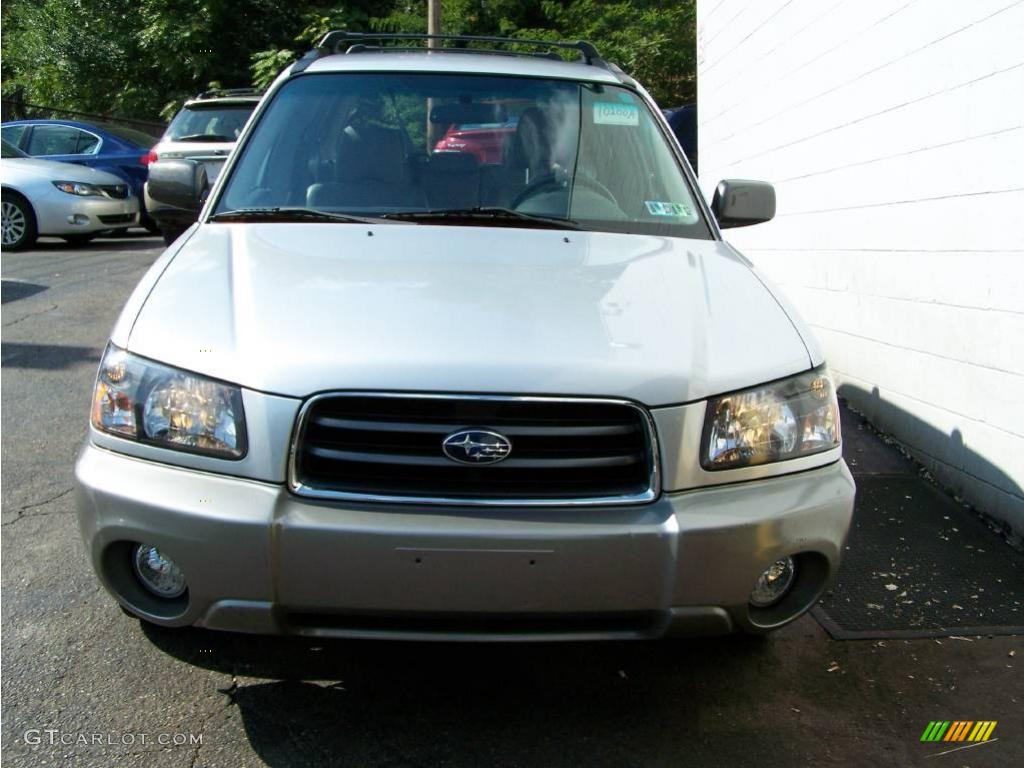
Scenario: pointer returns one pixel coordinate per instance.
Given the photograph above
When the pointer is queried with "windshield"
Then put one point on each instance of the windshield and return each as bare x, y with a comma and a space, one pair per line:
384, 144
213, 122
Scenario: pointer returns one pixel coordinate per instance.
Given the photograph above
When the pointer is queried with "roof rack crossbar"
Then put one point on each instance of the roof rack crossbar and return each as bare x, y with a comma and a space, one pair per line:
331, 42
362, 47
226, 92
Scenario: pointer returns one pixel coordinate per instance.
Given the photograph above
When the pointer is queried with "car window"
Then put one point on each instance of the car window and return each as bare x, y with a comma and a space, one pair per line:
380, 143
13, 133
209, 123
87, 143
9, 151
60, 140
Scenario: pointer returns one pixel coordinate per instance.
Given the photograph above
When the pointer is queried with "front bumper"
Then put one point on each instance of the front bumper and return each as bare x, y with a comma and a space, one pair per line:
259, 559
56, 213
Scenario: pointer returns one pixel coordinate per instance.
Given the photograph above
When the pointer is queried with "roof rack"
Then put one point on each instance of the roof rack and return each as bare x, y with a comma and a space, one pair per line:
216, 93
363, 48
331, 43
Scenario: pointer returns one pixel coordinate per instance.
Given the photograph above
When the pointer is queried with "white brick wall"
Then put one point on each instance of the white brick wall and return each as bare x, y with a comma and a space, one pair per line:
893, 131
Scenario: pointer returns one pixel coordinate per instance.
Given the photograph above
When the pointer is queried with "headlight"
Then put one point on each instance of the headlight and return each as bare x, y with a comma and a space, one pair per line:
152, 403
78, 188
785, 420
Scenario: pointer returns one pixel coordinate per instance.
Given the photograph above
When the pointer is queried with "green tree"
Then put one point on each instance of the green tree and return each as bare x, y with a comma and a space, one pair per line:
135, 57
652, 41
71, 53
140, 58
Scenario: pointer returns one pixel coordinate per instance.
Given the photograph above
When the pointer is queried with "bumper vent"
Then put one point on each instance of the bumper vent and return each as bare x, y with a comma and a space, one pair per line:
390, 448
118, 218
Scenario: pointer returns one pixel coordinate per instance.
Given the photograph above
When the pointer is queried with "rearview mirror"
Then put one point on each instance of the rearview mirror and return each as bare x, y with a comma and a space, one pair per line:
740, 203
179, 183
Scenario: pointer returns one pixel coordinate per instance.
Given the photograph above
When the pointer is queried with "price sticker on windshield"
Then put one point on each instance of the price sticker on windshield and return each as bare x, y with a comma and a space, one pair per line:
616, 113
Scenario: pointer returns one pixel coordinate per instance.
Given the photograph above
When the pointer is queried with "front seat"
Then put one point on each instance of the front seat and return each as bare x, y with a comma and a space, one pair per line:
531, 144
372, 174
528, 157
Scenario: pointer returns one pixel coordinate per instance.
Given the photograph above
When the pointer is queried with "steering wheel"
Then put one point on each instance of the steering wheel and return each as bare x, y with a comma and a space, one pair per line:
560, 179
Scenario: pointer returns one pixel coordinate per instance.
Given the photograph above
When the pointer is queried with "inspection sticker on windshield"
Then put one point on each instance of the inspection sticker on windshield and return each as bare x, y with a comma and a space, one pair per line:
656, 208
616, 113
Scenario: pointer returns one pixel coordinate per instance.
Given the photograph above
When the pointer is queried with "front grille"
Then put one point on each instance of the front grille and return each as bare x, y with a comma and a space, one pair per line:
118, 218
117, 191
564, 450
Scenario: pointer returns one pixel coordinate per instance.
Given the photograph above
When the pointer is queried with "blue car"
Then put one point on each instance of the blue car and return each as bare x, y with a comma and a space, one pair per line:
112, 148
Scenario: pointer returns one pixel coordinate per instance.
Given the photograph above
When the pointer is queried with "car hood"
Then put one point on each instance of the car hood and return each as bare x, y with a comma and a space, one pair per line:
48, 169
295, 309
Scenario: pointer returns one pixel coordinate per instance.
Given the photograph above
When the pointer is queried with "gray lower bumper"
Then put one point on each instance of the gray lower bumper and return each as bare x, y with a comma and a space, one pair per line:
259, 559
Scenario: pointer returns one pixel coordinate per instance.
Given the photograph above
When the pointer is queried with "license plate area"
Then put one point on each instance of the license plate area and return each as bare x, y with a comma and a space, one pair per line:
589, 571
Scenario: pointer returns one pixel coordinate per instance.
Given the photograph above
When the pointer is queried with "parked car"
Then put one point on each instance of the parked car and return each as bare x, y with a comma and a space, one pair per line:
205, 130
370, 396
683, 122
114, 149
485, 141
41, 197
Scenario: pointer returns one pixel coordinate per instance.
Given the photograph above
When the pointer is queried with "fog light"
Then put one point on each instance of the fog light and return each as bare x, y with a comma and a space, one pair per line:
157, 572
773, 583
79, 219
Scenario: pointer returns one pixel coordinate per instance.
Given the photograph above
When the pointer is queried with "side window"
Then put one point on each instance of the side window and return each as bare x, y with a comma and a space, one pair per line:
53, 140
12, 134
87, 143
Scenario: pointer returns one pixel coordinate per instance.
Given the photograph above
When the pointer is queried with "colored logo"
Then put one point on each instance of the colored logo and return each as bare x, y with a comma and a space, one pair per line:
959, 730
474, 446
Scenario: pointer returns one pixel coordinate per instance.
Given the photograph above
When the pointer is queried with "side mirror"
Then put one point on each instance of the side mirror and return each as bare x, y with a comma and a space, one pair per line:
178, 183
739, 203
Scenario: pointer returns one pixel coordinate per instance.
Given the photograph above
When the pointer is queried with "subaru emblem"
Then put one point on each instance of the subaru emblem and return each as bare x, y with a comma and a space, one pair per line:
476, 446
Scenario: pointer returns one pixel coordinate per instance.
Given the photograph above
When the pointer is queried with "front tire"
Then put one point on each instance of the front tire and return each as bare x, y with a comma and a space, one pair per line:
17, 223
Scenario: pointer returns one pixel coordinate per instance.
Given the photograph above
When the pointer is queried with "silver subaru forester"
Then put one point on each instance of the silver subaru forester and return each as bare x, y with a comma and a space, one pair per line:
510, 387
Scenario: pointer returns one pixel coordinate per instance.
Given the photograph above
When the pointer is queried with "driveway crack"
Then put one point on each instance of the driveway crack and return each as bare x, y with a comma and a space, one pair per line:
50, 499
30, 314
230, 693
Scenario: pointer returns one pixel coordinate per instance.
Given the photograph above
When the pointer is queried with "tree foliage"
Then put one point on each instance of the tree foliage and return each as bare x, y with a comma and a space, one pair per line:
140, 58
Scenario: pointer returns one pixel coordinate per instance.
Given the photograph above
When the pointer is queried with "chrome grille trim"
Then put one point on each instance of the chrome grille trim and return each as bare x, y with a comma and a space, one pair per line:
651, 493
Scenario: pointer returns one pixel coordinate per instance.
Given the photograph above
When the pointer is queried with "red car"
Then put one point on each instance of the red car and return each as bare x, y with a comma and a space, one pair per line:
485, 141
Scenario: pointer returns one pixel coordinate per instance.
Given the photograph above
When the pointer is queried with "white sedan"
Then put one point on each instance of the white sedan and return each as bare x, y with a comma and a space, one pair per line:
41, 197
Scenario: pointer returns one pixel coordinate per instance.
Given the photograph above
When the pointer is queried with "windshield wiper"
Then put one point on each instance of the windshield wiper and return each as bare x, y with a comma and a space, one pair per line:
484, 214
279, 214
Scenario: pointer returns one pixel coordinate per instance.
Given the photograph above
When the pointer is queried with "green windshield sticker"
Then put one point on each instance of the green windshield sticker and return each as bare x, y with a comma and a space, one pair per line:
613, 113
657, 208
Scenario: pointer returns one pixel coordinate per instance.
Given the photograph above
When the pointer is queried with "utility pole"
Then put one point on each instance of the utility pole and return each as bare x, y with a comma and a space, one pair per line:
433, 28
433, 21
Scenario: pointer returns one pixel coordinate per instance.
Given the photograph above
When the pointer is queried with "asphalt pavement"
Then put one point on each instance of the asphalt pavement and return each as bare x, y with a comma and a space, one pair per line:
84, 685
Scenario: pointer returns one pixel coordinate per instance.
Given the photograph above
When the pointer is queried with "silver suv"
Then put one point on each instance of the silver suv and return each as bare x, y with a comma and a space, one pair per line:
387, 389
205, 129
